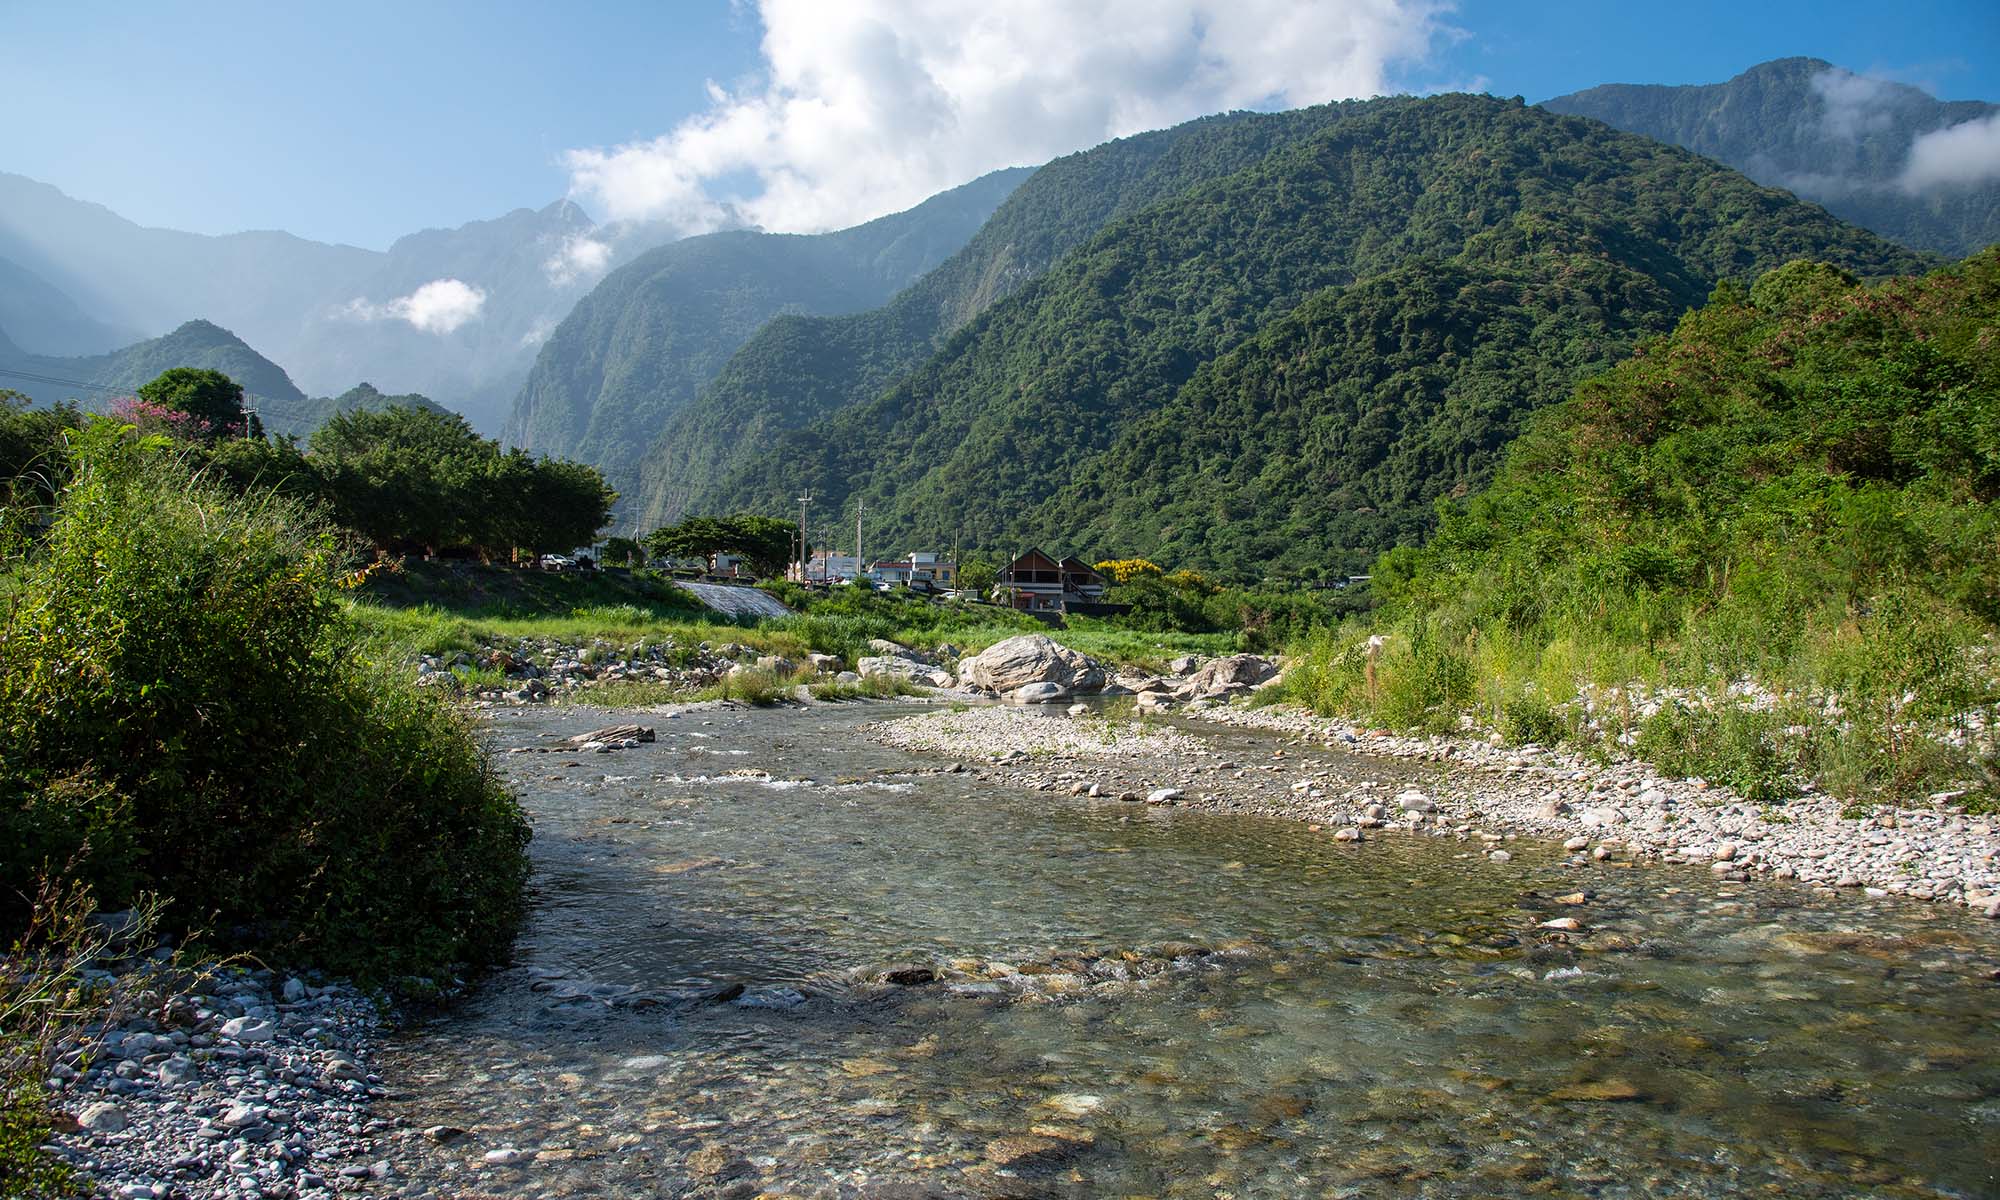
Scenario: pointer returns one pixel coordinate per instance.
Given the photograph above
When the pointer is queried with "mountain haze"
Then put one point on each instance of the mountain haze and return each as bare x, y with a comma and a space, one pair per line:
1831, 136
1284, 367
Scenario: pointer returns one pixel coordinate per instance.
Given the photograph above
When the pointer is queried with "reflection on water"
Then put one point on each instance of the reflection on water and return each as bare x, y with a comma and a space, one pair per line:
1144, 1002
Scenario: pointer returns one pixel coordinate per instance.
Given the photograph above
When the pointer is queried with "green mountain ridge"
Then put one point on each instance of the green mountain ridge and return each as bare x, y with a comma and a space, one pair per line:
636, 348
796, 369
1281, 370
1824, 133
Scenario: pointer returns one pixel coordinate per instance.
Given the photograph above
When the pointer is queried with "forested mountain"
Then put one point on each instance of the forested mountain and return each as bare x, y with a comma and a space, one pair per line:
106, 376
1831, 136
796, 369
1282, 369
634, 350
278, 402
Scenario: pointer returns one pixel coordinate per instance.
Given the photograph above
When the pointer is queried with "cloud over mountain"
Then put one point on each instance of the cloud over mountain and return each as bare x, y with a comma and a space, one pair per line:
1966, 153
441, 306
868, 107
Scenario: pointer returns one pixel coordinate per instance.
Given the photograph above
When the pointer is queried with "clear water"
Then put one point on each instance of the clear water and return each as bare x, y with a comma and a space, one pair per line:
1383, 1019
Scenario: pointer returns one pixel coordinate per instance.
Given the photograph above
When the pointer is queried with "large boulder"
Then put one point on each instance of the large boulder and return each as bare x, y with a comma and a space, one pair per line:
884, 646
898, 667
1226, 676
1031, 658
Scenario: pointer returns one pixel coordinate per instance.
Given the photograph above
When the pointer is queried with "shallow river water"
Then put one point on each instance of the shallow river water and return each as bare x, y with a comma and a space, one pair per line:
1140, 1001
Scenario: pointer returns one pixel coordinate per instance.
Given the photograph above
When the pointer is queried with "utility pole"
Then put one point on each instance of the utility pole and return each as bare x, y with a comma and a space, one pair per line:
859, 570
803, 501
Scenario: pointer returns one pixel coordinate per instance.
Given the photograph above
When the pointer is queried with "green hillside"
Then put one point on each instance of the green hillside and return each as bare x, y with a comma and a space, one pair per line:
1799, 487
194, 344
799, 368
635, 349
1423, 272
299, 418
1827, 134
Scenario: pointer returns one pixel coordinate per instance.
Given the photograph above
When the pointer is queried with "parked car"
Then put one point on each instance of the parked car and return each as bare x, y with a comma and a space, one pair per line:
557, 562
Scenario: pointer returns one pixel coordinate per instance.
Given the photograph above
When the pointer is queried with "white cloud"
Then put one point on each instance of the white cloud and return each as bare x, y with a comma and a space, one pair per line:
581, 256
440, 306
868, 107
538, 332
1854, 105
1966, 153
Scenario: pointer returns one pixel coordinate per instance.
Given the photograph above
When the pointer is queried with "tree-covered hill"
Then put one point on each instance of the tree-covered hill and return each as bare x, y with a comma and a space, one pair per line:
635, 349
1281, 370
797, 369
195, 344
283, 409
1828, 135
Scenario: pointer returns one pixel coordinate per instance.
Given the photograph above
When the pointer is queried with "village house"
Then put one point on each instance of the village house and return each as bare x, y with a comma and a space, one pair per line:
1038, 582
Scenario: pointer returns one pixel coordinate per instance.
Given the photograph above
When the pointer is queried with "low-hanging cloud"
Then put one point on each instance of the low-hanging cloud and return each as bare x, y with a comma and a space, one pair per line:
867, 107
441, 306
1959, 155
582, 256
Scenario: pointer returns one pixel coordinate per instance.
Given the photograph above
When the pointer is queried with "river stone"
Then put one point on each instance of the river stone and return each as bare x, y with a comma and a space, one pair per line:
509, 1156
1234, 673
1031, 658
102, 1118
1416, 802
1163, 795
897, 667
248, 1029
1039, 693
884, 646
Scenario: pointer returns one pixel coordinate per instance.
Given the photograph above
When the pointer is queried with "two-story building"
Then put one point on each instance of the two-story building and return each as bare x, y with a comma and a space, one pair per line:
1039, 582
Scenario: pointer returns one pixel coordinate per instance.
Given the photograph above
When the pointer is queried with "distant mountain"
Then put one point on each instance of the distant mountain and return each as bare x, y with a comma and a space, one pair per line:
797, 369
1843, 140
456, 313
95, 381
1281, 369
43, 320
635, 349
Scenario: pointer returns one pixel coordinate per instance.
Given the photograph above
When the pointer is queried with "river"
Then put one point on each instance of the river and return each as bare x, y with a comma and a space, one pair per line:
1142, 1001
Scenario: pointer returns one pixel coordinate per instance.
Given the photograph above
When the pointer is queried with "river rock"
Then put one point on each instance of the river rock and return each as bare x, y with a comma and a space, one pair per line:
1039, 693
102, 1118
1237, 672
895, 666
248, 1030
1031, 658
883, 646
1163, 795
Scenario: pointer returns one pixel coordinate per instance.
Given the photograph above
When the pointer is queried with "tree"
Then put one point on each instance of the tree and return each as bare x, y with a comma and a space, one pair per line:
213, 399
623, 550
764, 542
977, 574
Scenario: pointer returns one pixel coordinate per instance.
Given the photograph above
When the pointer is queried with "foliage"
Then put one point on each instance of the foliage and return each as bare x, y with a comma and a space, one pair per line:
767, 543
211, 401
977, 573
409, 477
1125, 570
1278, 372
624, 551
1800, 487
185, 708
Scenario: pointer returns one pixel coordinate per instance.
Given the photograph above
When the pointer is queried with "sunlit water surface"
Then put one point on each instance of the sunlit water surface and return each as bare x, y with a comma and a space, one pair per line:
1382, 1019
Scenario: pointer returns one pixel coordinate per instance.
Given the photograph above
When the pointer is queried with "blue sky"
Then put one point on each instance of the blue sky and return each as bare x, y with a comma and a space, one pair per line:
361, 121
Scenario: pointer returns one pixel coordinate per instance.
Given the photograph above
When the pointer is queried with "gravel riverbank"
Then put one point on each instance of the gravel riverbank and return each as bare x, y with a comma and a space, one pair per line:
251, 1085
1456, 787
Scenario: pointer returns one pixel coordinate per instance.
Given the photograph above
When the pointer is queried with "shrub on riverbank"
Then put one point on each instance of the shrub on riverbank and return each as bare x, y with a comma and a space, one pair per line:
185, 708
1785, 517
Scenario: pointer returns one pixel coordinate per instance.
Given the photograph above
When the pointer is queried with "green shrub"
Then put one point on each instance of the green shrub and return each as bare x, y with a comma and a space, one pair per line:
186, 708
1731, 745
1530, 718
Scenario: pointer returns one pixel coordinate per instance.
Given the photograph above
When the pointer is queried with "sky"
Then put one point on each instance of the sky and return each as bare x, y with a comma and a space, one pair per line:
362, 121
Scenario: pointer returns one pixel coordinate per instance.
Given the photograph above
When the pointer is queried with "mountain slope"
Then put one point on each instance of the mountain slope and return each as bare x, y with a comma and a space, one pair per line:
797, 369
635, 349
1828, 135
1384, 254
288, 418
104, 377
41, 319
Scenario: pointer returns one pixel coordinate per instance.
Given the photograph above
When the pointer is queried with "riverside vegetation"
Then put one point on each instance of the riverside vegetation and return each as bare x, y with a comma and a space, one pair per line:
188, 712
1783, 521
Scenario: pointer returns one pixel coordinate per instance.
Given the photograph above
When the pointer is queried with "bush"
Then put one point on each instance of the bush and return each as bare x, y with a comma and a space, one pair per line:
1732, 745
186, 708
